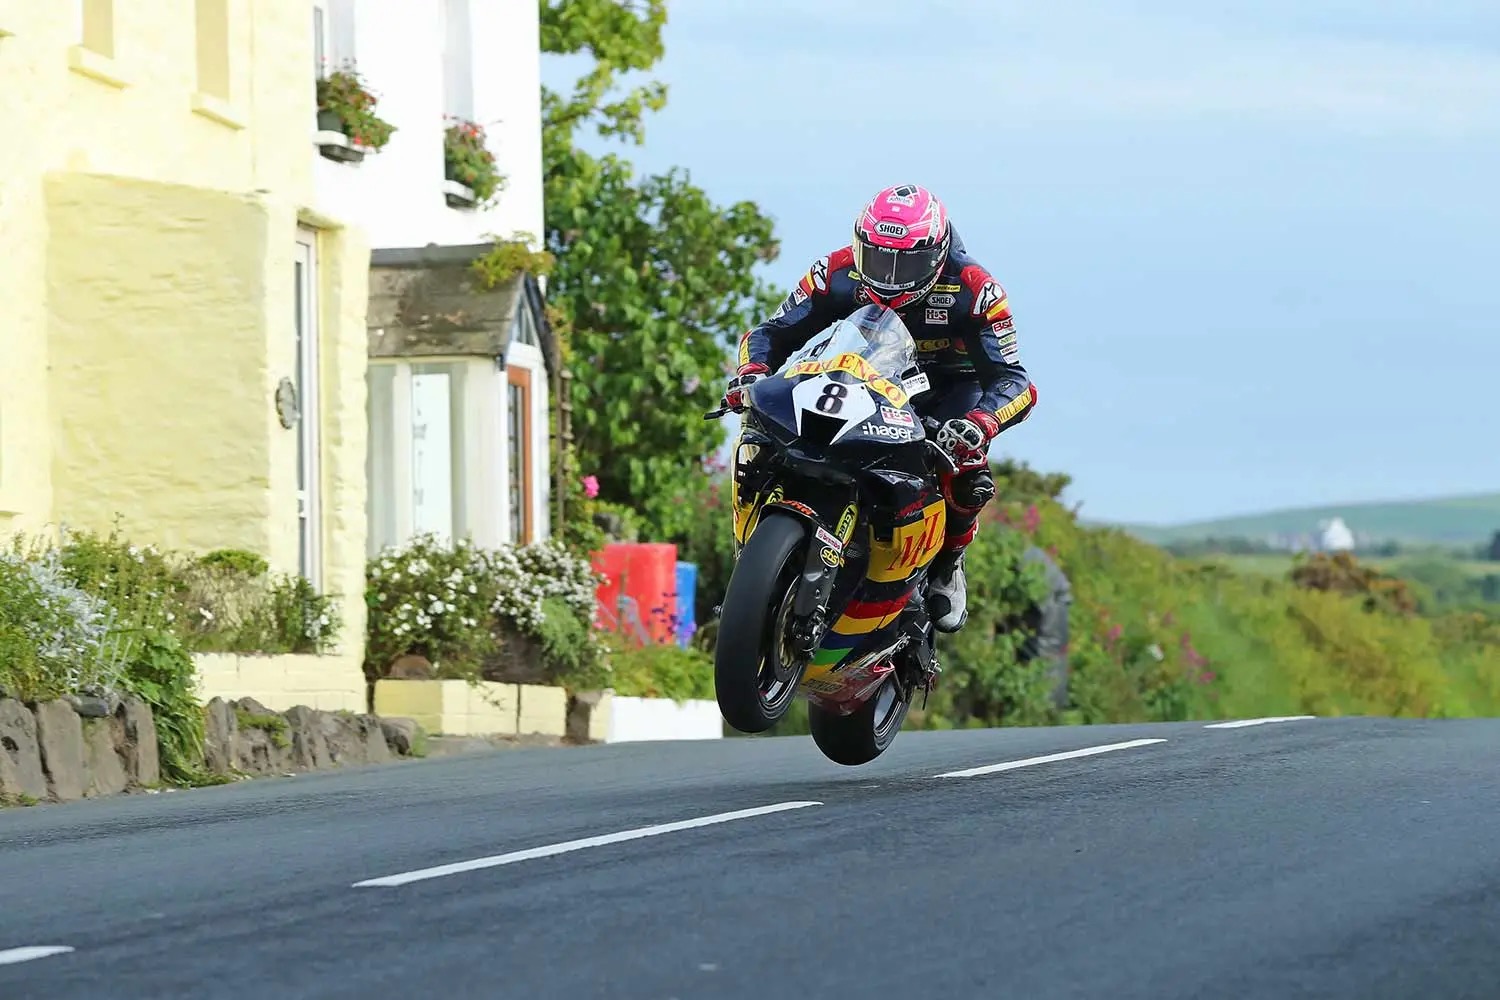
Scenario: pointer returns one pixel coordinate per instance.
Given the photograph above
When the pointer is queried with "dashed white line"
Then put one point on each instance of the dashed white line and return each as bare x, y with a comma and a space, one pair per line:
1241, 723
1029, 761
15, 956
578, 845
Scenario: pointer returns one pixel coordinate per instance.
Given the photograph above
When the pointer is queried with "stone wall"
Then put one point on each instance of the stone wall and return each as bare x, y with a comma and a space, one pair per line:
246, 737
75, 748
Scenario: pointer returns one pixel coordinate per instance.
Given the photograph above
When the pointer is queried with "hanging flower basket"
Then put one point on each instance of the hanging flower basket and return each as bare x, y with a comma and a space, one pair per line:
471, 174
348, 127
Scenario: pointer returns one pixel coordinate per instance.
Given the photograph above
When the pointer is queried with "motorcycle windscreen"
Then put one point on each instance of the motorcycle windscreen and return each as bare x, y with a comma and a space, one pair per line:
873, 333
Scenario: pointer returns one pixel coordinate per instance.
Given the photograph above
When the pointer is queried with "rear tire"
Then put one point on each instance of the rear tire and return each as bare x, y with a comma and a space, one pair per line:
863, 735
749, 651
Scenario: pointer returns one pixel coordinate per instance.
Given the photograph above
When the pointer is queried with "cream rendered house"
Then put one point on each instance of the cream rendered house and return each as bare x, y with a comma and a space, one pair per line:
461, 380
182, 335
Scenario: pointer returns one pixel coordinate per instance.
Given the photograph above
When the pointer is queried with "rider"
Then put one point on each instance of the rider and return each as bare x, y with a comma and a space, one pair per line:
906, 256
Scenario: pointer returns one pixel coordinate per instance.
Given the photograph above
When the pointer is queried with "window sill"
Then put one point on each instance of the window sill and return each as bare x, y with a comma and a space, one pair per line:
96, 66
458, 195
338, 147
216, 109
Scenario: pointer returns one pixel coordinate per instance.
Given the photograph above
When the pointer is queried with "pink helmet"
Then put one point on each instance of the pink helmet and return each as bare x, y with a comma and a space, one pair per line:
901, 241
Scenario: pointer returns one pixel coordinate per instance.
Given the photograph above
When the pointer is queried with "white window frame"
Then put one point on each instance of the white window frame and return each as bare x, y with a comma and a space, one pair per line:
529, 357
307, 344
475, 438
523, 326
333, 35
458, 59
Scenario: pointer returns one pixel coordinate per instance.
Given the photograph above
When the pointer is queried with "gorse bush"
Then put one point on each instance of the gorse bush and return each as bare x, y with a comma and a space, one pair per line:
1342, 573
1332, 639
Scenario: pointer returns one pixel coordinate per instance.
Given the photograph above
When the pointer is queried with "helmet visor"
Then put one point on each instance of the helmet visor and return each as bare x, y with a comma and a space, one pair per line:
891, 272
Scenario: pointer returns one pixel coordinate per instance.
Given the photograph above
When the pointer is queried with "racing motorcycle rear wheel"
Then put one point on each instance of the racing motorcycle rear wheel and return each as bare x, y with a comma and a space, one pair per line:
865, 733
756, 671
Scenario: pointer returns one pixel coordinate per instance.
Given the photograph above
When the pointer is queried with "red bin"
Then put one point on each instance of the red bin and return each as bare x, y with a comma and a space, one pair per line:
639, 594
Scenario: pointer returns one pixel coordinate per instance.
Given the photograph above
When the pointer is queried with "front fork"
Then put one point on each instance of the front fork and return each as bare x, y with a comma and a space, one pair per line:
825, 557
810, 608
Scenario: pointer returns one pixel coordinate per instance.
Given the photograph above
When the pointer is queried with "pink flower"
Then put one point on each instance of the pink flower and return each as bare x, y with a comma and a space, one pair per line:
590, 487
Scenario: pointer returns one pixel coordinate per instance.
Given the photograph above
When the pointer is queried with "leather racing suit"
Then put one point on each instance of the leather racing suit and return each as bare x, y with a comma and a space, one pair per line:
966, 344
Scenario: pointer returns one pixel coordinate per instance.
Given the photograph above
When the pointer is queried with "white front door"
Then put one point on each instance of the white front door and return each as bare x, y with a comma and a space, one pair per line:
309, 468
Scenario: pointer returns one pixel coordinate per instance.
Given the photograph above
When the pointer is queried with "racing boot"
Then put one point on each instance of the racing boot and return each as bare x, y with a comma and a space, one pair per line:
947, 595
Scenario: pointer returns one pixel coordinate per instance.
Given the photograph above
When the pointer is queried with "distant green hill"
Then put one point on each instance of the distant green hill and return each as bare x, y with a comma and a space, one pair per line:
1443, 521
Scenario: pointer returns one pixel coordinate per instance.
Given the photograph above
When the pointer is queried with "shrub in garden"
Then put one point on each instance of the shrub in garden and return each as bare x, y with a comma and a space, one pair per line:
97, 615
454, 604
659, 670
225, 601
55, 638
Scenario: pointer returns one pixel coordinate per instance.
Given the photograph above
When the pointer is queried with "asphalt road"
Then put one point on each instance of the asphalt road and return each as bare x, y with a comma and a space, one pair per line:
1328, 858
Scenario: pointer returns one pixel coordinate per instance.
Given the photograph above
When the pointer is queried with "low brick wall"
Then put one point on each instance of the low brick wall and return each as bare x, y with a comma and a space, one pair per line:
326, 683
632, 720
487, 708
605, 717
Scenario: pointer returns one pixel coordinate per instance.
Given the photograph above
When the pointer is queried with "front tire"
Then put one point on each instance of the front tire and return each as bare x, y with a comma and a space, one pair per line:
755, 679
864, 734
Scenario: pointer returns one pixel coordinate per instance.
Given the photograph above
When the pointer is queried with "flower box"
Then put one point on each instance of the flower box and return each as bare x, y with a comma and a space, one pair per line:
459, 195
470, 175
348, 128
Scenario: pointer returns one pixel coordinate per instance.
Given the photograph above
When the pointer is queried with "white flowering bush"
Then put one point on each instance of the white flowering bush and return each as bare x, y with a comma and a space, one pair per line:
455, 604
528, 575
432, 600
55, 638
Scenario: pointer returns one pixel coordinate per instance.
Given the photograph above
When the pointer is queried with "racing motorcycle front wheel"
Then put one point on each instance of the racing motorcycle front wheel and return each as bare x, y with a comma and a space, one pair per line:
756, 667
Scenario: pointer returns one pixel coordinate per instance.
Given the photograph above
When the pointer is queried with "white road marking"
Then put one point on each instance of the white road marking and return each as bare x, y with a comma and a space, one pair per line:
1029, 761
17, 955
578, 845
1241, 723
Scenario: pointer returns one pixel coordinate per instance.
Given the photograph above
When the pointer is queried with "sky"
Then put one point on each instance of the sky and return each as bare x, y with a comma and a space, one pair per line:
1252, 246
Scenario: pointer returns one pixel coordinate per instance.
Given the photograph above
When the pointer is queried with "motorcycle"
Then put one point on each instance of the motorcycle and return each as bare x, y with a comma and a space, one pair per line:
837, 516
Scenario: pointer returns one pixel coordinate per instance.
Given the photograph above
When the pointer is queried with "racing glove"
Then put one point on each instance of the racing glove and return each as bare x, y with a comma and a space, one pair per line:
967, 439
748, 374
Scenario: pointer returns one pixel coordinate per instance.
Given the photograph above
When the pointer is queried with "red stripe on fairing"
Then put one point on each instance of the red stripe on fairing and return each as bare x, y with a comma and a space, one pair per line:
866, 610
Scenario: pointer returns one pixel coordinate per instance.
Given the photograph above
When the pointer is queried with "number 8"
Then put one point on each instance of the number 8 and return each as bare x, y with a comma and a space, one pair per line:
832, 400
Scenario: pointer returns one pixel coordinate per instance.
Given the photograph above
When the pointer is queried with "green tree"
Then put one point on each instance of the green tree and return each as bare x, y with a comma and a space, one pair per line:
653, 280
